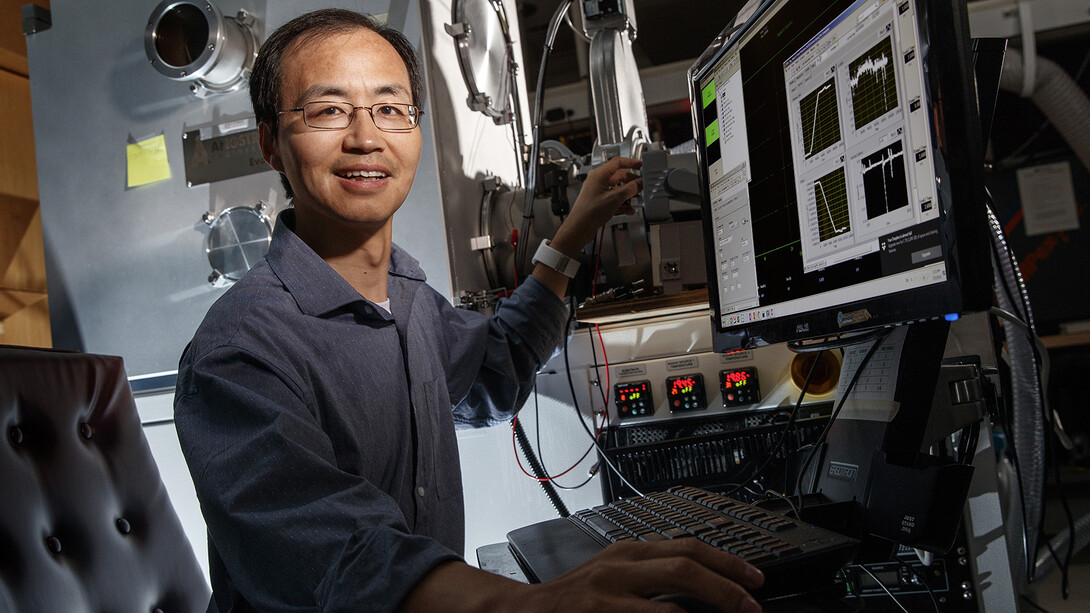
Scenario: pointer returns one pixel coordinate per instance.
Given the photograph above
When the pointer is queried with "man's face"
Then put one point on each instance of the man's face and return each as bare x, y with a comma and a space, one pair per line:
359, 175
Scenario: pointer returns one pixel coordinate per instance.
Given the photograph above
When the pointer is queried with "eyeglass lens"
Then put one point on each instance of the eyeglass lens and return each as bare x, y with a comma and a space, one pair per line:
338, 115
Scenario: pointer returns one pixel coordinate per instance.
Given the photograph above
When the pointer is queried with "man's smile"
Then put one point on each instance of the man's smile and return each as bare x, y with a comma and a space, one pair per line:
363, 175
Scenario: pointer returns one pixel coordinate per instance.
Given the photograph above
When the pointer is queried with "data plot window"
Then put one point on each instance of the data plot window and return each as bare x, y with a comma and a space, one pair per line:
885, 186
873, 83
831, 200
820, 119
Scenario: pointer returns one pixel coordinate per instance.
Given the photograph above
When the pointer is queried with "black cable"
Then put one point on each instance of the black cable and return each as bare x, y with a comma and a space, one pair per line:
594, 363
1008, 425
832, 418
1039, 358
854, 592
535, 143
1009, 258
548, 475
838, 342
539, 472
537, 429
769, 494
1065, 566
786, 429
590, 475
575, 403
1030, 550
922, 579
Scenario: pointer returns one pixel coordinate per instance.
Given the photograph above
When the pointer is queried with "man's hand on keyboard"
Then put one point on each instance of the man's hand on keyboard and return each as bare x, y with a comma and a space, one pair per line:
627, 574
623, 578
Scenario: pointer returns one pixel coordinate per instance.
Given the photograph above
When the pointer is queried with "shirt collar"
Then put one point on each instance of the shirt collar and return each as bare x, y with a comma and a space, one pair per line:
316, 287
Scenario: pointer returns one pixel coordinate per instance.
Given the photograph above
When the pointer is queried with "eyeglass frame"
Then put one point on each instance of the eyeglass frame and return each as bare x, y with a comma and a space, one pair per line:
352, 115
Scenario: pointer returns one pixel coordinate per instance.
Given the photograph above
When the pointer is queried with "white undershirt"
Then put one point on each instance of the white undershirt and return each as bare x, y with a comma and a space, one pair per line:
385, 304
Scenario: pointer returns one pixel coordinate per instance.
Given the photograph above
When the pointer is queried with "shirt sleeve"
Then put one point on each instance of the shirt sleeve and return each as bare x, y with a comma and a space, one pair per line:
294, 530
492, 362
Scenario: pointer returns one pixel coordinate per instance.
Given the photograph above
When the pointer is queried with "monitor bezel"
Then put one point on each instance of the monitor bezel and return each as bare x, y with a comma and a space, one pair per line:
945, 49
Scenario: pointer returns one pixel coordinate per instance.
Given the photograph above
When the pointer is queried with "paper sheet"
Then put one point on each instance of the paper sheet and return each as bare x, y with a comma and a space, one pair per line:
1048, 198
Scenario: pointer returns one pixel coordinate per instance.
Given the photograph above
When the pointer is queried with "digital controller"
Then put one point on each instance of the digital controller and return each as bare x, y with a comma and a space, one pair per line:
739, 386
686, 392
634, 399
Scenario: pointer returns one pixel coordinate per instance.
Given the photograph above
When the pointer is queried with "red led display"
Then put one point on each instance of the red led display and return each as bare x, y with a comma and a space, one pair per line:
736, 378
682, 385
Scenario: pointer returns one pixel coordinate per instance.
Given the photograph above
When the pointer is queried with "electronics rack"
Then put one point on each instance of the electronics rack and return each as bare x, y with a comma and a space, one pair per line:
717, 451
949, 578
711, 452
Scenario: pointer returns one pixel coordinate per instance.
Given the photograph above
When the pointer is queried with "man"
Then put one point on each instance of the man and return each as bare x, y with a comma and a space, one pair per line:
317, 402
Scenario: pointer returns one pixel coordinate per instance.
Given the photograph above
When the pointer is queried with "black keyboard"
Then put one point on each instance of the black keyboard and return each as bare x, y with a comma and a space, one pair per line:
795, 556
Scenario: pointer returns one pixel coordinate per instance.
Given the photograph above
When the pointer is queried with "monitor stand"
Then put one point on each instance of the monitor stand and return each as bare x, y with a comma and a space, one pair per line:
884, 452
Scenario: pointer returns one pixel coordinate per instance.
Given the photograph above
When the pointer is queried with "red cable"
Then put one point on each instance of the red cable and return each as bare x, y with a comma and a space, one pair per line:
605, 361
518, 460
597, 431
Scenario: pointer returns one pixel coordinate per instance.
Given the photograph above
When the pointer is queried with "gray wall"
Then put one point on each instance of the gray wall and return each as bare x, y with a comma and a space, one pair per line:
126, 267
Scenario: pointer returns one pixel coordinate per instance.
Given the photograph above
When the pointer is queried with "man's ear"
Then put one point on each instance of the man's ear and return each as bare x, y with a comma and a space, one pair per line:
270, 148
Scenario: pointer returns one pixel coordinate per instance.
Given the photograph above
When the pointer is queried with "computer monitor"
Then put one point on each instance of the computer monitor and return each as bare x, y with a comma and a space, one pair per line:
840, 157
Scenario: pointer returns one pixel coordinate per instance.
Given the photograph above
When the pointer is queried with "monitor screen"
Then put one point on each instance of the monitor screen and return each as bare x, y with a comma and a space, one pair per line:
841, 171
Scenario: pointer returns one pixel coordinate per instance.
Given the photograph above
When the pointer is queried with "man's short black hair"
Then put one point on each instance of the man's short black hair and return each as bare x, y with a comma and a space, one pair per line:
267, 75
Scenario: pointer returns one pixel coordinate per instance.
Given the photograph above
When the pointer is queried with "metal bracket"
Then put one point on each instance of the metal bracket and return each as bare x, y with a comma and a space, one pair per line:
457, 30
36, 19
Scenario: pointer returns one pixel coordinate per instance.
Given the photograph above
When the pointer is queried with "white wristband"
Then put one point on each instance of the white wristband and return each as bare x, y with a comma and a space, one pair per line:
554, 259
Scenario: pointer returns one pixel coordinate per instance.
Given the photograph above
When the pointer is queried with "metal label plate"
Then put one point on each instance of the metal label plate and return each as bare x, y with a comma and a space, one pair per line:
221, 157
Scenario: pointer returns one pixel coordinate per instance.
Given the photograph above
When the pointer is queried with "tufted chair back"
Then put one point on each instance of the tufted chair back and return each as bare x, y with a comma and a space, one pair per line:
85, 521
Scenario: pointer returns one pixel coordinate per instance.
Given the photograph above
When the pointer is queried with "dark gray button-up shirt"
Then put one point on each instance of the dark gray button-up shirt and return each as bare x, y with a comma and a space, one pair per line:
319, 429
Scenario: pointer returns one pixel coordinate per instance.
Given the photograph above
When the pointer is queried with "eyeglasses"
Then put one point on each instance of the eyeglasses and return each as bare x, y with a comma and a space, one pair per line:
388, 116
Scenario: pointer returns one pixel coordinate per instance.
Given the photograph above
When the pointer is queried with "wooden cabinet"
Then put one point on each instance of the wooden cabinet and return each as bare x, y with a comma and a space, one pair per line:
24, 305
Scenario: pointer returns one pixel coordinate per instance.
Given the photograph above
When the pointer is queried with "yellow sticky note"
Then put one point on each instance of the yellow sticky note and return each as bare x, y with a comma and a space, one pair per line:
147, 161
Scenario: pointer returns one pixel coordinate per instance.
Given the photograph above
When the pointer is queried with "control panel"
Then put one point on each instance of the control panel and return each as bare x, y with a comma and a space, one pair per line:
708, 383
634, 399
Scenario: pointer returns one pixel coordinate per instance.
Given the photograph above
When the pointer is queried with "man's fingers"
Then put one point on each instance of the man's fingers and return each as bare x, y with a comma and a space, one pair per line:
720, 579
717, 560
616, 169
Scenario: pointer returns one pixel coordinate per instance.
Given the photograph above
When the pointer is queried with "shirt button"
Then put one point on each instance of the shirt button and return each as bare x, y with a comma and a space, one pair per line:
420, 491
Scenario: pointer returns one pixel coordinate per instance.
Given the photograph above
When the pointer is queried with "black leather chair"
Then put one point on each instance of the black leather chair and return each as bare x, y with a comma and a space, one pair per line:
85, 521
